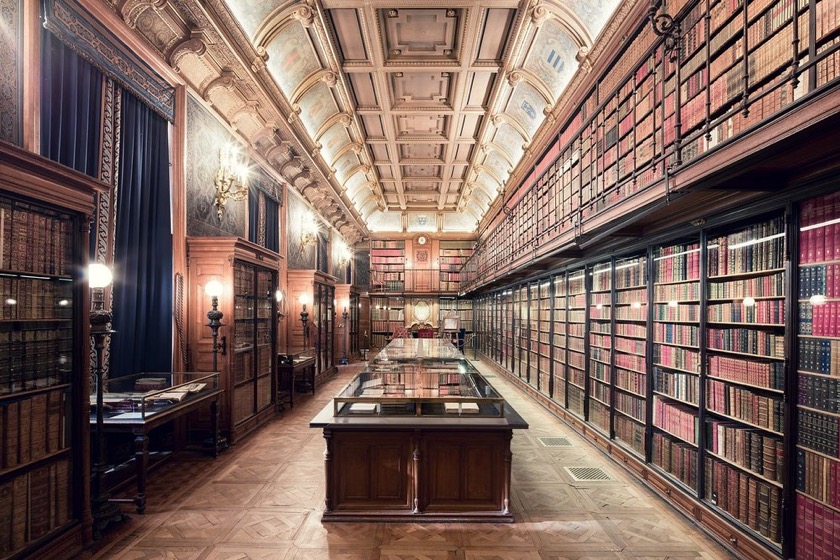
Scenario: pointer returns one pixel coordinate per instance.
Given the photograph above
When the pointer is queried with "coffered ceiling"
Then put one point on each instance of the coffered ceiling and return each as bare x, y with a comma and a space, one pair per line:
387, 115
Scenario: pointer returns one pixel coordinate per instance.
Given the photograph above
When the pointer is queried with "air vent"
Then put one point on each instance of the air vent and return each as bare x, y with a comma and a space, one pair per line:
555, 441
587, 474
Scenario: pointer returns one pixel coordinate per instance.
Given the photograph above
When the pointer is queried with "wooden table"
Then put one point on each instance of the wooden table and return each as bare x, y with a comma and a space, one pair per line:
140, 427
407, 468
290, 368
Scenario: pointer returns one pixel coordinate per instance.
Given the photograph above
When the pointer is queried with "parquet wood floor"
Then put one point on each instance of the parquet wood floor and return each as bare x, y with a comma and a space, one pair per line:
263, 498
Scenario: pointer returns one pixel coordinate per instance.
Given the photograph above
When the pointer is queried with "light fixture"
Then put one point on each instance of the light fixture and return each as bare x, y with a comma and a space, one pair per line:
231, 178
817, 299
344, 316
103, 510
344, 254
308, 231
749, 301
304, 317
214, 288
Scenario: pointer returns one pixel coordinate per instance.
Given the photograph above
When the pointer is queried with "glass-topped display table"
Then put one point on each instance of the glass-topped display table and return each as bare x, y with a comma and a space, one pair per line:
295, 373
137, 404
419, 433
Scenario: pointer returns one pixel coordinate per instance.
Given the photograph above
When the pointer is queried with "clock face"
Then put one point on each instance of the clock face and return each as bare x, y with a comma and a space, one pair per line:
421, 240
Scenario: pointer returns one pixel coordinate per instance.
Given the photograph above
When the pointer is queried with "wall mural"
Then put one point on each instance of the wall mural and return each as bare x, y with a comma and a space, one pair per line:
298, 259
205, 136
11, 93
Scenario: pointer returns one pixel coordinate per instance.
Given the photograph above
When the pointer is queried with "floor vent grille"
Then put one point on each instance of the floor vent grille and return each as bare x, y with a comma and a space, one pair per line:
555, 442
587, 474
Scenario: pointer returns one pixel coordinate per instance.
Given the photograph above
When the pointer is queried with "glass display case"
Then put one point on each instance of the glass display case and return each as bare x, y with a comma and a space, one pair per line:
429, 386
141, 396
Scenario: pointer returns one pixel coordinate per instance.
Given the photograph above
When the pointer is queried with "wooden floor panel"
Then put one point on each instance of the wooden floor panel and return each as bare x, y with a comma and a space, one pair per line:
263, 499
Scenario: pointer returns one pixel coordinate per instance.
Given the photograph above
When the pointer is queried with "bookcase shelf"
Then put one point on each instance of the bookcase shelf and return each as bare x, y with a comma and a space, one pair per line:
44, 356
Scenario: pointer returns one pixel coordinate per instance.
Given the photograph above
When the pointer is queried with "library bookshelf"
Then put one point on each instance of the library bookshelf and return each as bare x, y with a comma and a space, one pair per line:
249, 276
675, 363
45, 209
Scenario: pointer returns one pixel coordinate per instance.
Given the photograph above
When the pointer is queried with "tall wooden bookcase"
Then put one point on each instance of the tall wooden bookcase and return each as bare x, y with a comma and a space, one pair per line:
675, 357
45, 211
246, 362
319, 290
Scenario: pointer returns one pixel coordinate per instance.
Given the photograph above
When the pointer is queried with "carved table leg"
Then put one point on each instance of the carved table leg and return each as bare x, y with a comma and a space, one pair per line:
141, 448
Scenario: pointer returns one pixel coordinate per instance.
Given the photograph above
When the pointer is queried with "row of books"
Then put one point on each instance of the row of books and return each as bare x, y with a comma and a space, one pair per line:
675, 418
34, 299
818, 431
819, 356
681, 312
683, 335
819, 237
630, 405
818, 530
630, 432
747, 341
754, 502
677, 263
754, 450
766, 312
33, 359
745, 405
819, 392
676, 357
819, 279
33, 504
768, 374
33, 428
754, 248
769, 285
818, 477
33, 241
676, 458
681, 386
819, 320
686, 291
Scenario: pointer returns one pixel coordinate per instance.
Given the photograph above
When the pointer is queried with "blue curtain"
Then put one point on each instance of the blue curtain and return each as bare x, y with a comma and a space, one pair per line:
143, 299
71, 107
272, 225
254, 216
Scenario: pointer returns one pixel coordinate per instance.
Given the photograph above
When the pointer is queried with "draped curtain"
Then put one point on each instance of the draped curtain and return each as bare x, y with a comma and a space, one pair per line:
272, 225
143, 292
254, 215
71, 107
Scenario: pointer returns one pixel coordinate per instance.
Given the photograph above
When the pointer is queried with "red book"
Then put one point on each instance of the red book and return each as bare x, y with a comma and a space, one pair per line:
808, 534
799, 534
829, 236
834, 310
819, 532
819, 237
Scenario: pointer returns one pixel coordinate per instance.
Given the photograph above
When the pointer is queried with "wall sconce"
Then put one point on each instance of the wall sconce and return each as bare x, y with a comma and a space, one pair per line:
213, 288
304, 317
345, 255
231, 178
308, 231
344, 361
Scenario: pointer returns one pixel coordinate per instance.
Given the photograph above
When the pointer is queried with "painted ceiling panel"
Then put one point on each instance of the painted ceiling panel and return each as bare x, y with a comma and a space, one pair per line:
316, 106
552, 58
526, 107
291, 57
333, 140
444, 99
421, 221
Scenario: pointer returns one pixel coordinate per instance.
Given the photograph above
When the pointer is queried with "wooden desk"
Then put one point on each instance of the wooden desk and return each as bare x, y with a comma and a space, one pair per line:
295, 372
140, 425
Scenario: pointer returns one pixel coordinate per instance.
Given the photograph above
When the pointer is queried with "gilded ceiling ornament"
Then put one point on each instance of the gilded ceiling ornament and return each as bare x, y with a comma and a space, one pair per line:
582, 53
258, 64
345, 120
515, 77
